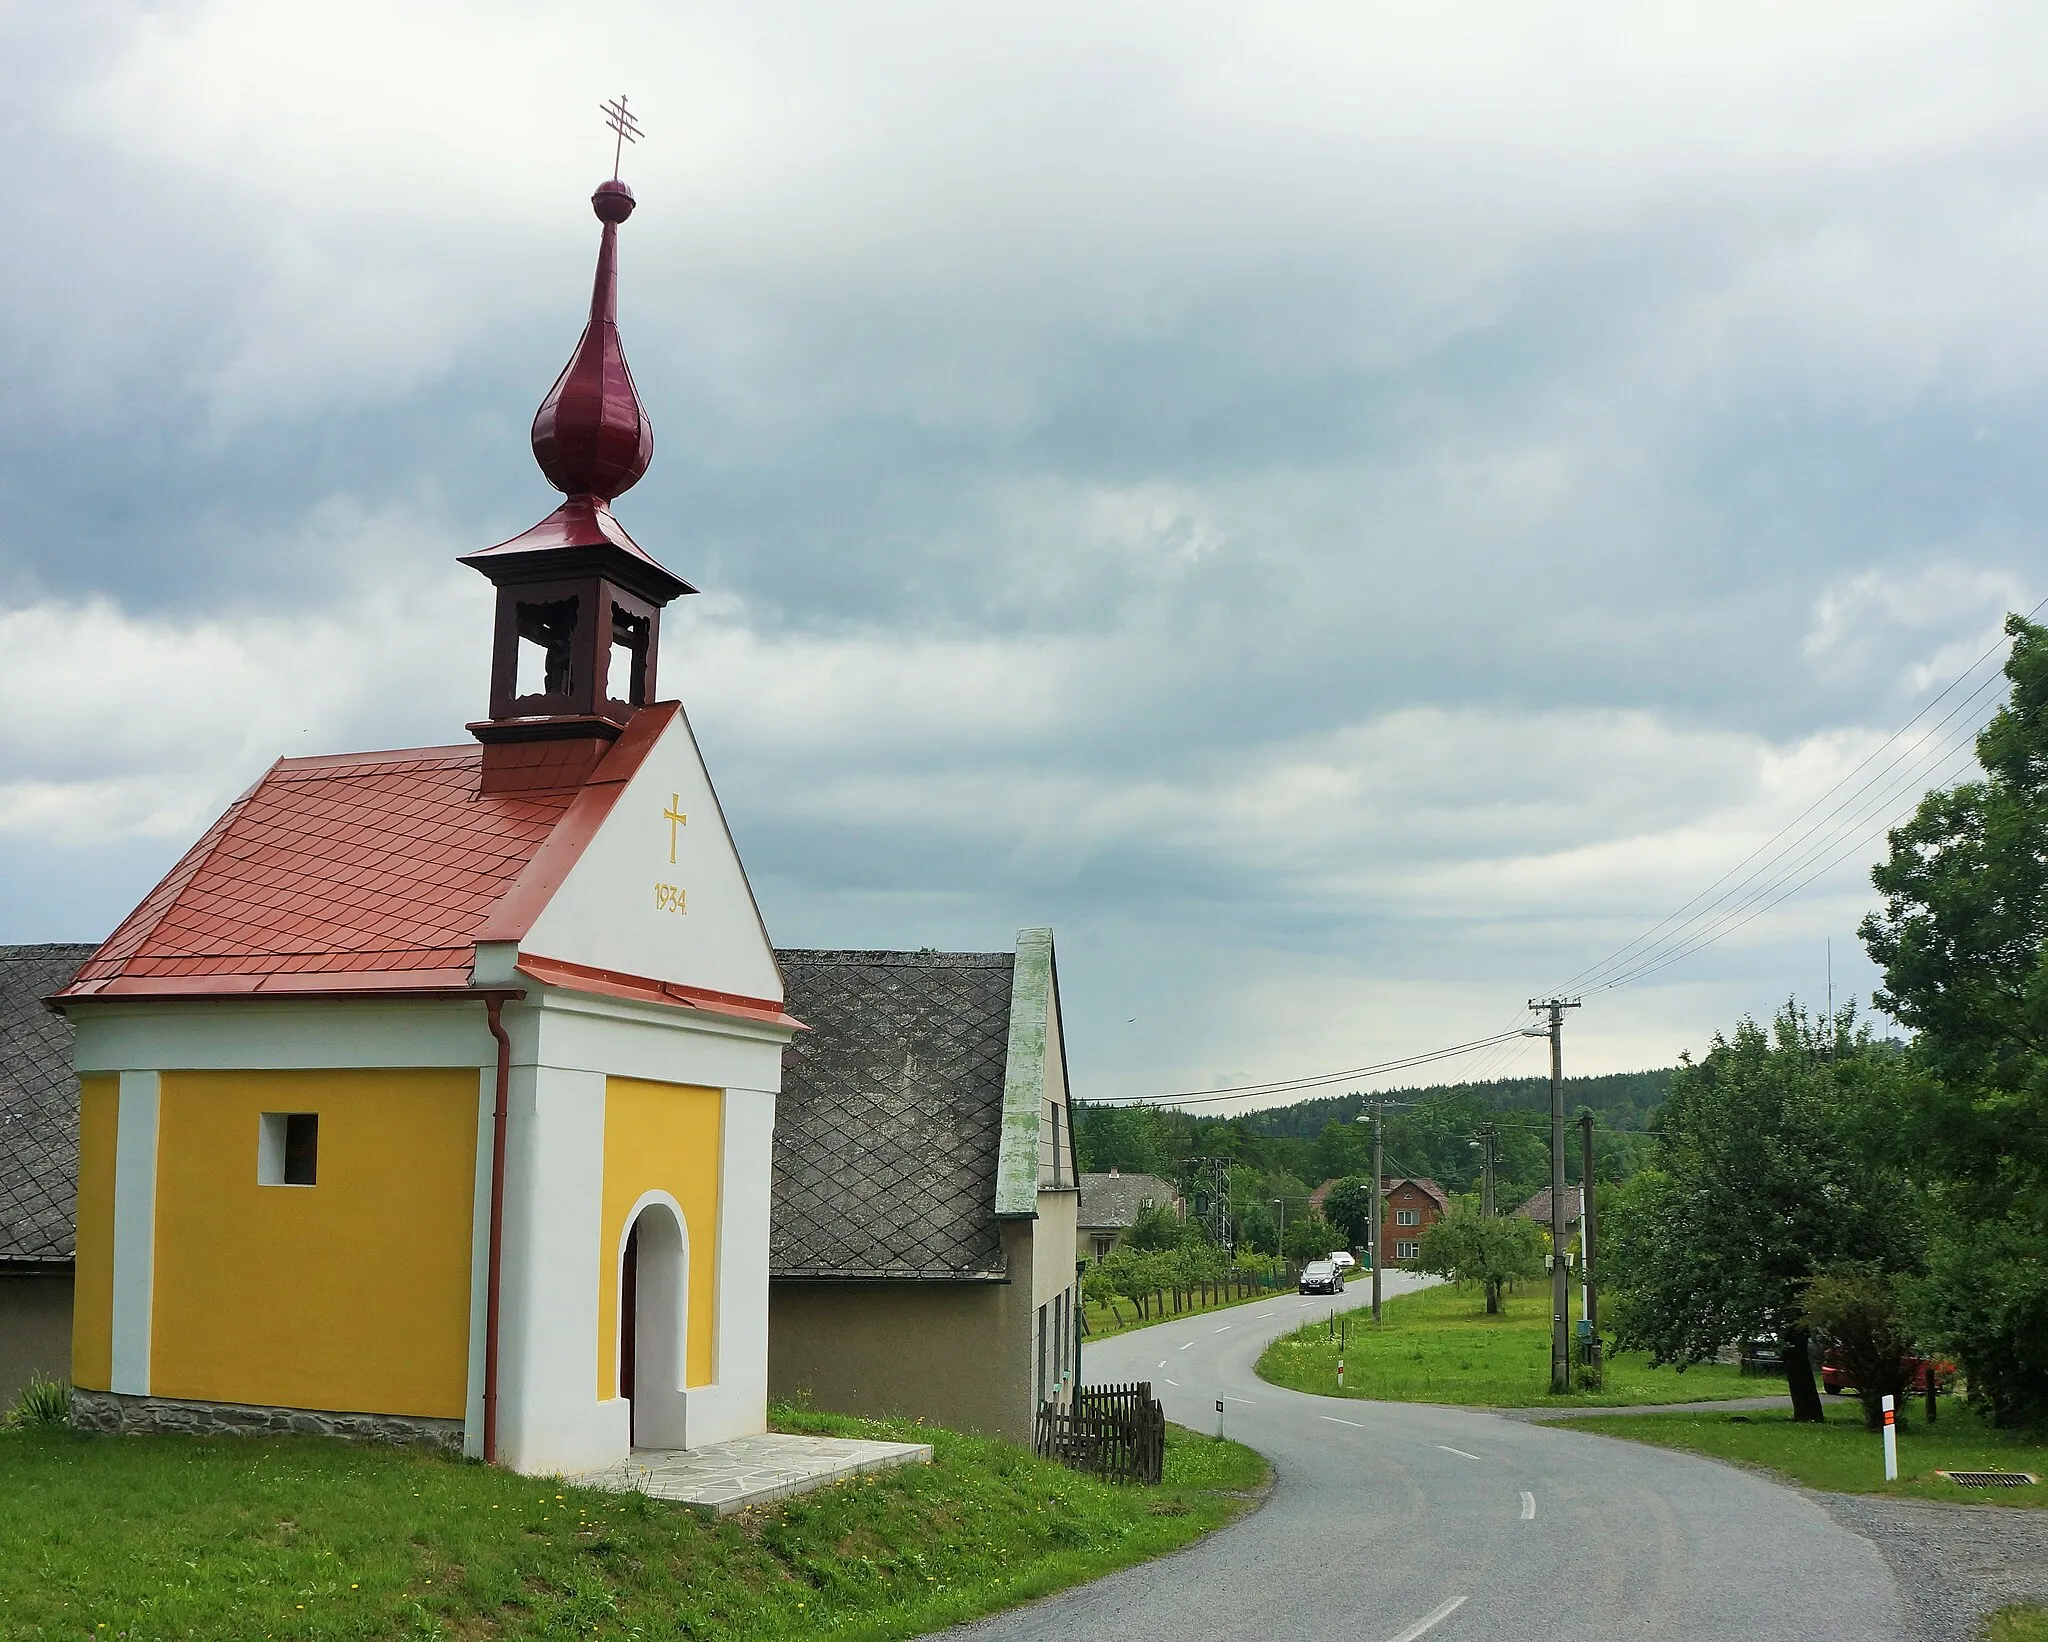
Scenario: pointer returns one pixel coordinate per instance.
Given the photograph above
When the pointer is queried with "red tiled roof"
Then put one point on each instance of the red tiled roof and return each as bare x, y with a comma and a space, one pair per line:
380, 872
361, 871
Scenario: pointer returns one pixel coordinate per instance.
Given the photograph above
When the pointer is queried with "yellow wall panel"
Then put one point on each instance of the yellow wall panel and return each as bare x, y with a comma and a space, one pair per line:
661, 1137
92, 1295
350, 1294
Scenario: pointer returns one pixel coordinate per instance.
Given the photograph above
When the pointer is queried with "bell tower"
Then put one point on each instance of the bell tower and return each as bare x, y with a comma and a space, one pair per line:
578, 623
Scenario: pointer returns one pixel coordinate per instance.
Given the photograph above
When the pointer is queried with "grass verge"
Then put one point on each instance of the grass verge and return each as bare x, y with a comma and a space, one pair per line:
1843, 1458
158, 1537
2026, 1623
1438, 1345
1102, 1323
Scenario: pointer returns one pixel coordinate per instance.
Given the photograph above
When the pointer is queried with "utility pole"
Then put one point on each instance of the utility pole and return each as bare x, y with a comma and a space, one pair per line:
1560, 1289
1589, 1304
1487, 1135
1378, 1110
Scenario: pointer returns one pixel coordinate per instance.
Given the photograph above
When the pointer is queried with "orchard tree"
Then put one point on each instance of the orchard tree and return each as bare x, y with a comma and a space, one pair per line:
1469, 1247
1760, 1184
1962, 939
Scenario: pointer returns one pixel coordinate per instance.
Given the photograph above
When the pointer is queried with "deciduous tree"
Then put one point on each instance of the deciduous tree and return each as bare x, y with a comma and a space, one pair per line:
1469, 1247
1759, 1186
1963, 942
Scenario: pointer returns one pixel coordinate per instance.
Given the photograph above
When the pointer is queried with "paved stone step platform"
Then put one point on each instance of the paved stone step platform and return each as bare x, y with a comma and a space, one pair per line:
732, 1476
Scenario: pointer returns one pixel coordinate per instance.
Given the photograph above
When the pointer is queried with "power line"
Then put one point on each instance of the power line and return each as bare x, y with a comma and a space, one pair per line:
1877, 796
1251, 1091
1649, 948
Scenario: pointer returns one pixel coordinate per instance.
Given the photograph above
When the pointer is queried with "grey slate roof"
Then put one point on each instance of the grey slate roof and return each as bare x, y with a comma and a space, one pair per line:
38, 1107
1538, 1207
889, 1128
1113, 1200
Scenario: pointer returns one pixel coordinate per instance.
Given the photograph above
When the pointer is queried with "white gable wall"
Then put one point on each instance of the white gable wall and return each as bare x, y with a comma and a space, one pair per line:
613, 912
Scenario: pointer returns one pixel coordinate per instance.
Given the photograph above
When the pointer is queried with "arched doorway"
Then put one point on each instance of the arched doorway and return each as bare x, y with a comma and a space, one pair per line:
653, 1322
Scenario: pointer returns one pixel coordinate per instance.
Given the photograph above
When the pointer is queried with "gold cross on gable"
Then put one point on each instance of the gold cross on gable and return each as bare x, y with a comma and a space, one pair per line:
675, 818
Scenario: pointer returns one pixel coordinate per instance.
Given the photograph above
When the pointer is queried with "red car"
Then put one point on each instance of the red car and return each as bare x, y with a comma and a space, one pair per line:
1835, 1380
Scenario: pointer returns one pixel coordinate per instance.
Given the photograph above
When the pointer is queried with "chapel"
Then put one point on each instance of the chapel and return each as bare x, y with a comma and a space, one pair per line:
431, 1095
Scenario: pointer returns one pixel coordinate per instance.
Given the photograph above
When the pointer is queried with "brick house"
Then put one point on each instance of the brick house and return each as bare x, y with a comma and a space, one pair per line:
1411, 1207
1409, 1204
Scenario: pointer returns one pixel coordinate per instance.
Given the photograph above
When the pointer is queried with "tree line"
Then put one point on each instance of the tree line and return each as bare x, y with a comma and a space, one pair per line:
1277, 1157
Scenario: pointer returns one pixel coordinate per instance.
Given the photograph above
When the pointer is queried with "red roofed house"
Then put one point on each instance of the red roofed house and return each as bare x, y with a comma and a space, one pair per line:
431, 1095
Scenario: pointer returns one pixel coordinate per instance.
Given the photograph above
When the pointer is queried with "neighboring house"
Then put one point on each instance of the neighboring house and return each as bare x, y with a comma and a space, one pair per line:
1111, 1204
38, 1166
1410, 1206
1538, 1210
431, 1094
922, 1244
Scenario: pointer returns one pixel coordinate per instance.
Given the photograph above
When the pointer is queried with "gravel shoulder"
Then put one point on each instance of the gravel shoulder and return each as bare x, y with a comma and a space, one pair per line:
1954, 1564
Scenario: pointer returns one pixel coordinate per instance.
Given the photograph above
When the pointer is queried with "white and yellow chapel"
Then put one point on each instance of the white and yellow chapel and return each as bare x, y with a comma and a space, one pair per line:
431, 1095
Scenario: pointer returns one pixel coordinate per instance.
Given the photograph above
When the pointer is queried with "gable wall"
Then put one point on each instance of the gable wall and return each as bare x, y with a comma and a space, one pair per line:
670, 902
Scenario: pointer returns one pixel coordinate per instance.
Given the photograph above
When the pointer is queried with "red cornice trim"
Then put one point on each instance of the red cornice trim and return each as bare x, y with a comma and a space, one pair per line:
410, 983
552, 863
615, 983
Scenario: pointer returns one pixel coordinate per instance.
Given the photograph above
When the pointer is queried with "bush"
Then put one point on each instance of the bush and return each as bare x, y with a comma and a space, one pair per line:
1857, 1307
1984, 1301
42, 1402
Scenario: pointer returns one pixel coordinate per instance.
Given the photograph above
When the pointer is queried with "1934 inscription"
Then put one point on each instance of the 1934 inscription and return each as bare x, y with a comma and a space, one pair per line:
668, 898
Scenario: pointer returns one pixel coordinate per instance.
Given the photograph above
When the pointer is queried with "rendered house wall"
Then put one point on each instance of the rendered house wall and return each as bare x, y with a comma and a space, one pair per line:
35, 1330
352, 1293
559, 1334
661, 1138
954, 1354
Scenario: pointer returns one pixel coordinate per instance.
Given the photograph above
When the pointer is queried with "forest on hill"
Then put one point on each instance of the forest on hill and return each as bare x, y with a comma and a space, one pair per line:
1277, 1156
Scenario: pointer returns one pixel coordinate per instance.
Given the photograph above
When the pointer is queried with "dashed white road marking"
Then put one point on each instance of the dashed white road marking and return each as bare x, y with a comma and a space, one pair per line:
1248, 1401
1596, 1204
1528, 1506
1448, 1449
1227, 1327
1353, 1423
1176, 1384
1429, 1620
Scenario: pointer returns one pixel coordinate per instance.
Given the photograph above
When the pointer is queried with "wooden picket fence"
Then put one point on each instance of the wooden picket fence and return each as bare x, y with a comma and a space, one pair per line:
1113, 1431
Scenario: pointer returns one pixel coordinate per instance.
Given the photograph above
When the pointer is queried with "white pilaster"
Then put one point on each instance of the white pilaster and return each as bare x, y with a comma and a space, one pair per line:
135, 1229
549, 1418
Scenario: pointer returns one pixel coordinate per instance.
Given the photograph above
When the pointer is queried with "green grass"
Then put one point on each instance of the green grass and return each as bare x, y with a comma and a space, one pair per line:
2026, 1623
142, 1538
1841, 1457
1440, 1346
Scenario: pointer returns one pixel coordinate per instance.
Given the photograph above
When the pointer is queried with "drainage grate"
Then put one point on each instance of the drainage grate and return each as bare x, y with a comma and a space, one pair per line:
1989, 1479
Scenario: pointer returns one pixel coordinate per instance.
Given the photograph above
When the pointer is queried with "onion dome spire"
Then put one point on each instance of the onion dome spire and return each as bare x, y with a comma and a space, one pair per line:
591, 435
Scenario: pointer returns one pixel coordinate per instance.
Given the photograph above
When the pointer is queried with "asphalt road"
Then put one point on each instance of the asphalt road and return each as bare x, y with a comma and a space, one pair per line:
1390, 1522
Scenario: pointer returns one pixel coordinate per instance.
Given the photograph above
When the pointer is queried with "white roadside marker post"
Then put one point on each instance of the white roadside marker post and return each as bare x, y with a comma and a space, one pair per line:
1891, 1442
1219, 1419
1340, 1373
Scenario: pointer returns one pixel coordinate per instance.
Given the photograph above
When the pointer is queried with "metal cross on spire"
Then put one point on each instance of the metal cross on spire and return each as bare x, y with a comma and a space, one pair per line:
627, 127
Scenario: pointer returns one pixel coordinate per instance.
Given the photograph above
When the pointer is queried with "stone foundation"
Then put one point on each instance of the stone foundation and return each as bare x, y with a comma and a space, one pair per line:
119, 1415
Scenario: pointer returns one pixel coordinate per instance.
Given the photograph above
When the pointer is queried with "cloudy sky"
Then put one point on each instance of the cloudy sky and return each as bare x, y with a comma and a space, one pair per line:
1349, 512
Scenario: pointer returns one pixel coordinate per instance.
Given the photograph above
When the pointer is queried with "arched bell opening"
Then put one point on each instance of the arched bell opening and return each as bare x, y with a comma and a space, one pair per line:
654, 1271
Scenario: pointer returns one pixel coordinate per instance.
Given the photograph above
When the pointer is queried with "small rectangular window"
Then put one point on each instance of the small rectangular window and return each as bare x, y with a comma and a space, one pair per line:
1405, 1217
288, 1149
